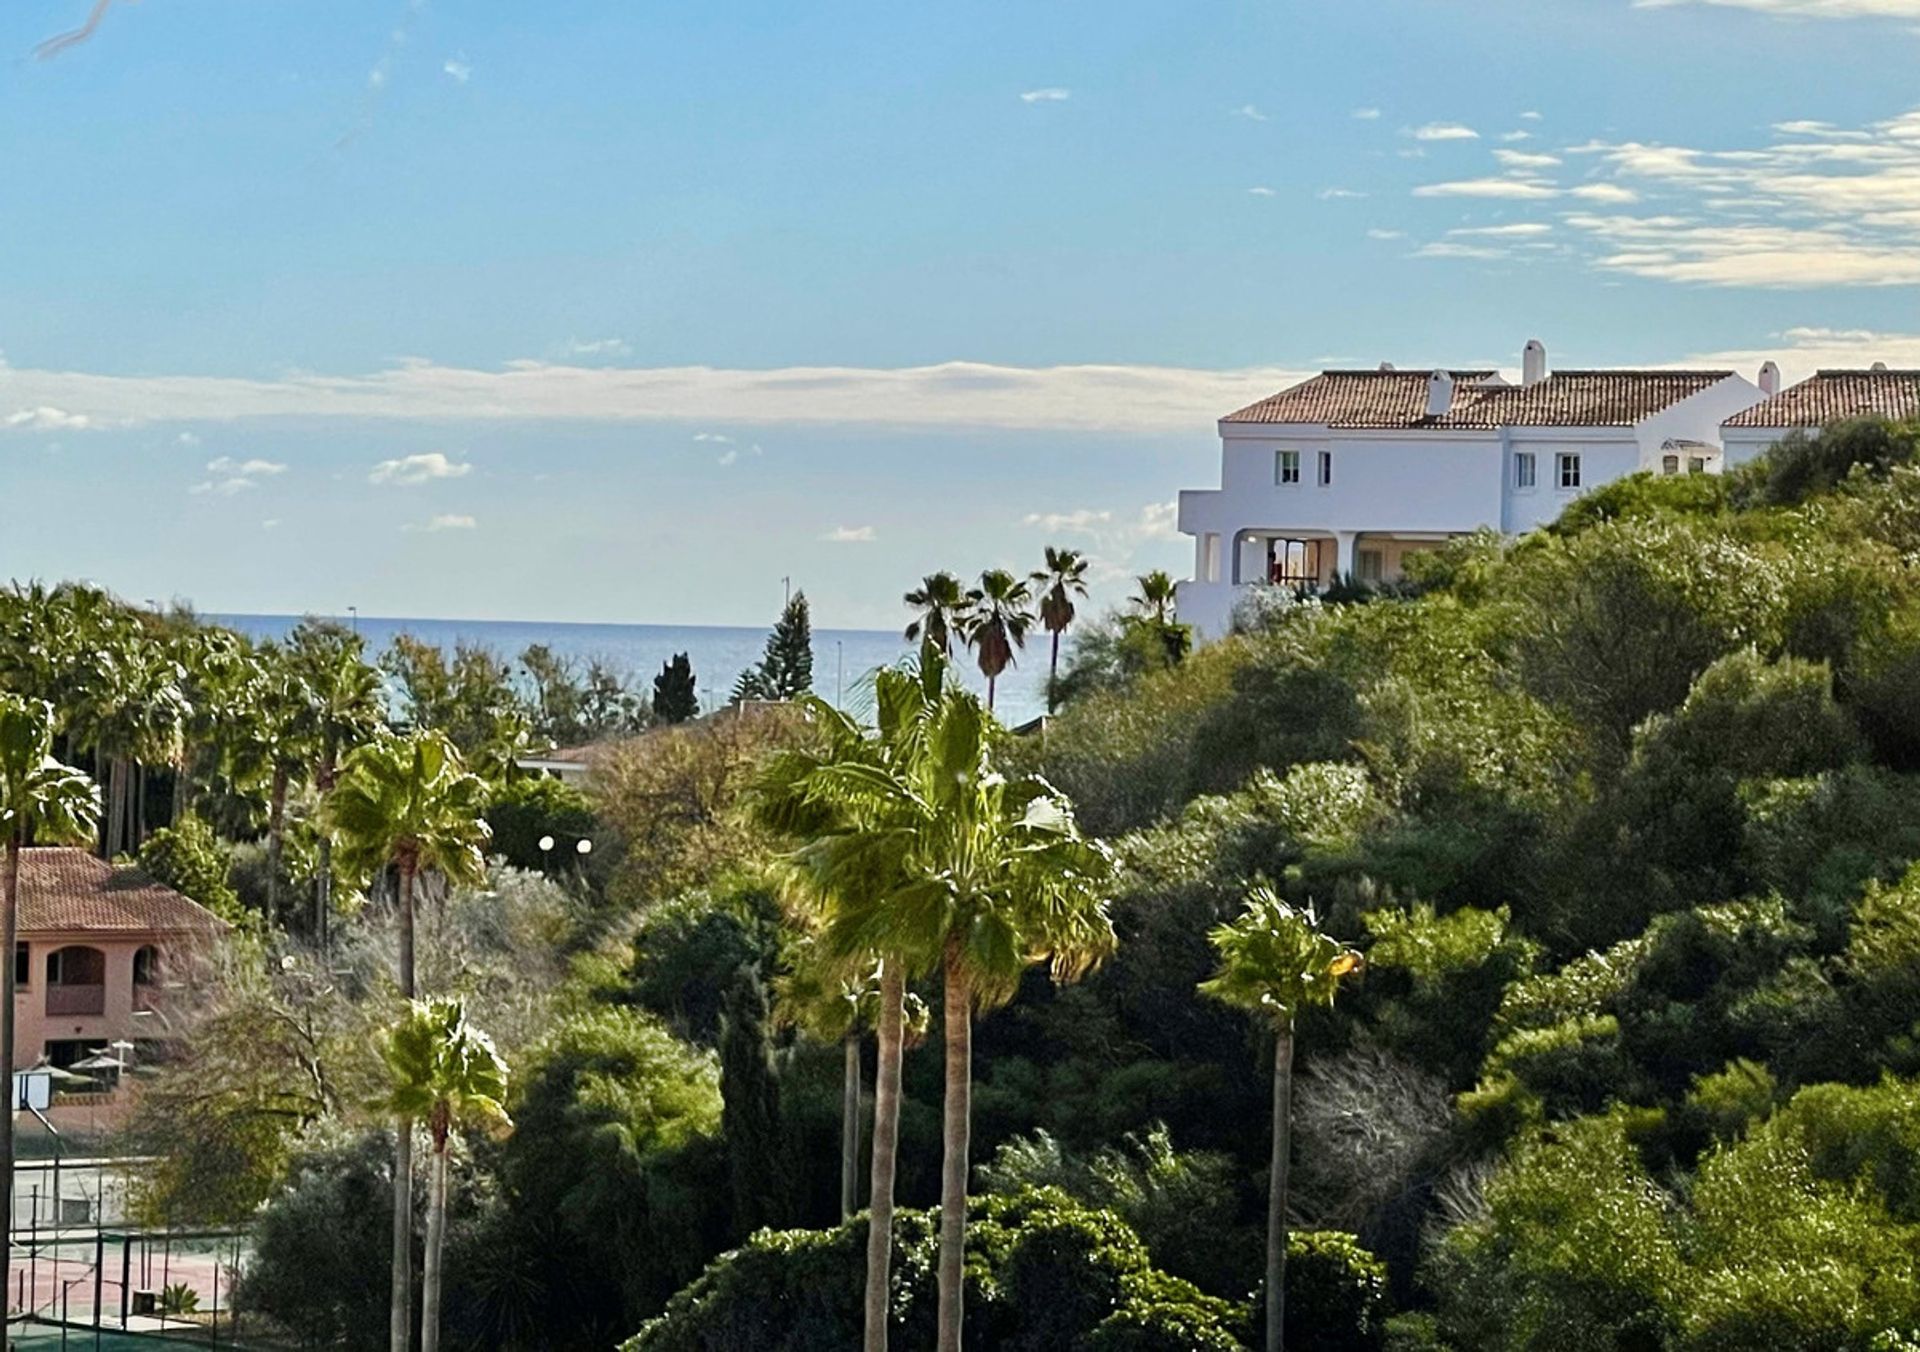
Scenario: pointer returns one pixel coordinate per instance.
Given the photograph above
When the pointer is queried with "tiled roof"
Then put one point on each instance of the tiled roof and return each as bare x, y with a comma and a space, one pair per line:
1353, 399
1832, 395
1579, 399
1388, 399
63, 890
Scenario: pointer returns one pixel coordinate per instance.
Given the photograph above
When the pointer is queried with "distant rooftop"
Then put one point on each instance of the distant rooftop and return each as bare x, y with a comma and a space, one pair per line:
1830, 396
64, 890
1398, 399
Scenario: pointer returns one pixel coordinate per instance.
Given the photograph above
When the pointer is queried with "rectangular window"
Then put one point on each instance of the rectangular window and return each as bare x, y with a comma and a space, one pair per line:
1523, 469
1286, 467
1369, 565
1210, 557
1696, 464
22, 966
1569, 470
1669, 464
1326, 468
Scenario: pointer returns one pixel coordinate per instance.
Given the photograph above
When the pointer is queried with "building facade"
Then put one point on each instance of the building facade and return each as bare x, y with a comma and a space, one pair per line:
1351, 472
101, 954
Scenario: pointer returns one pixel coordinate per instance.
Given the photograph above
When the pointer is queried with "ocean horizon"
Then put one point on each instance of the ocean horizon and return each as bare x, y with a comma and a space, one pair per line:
843, 659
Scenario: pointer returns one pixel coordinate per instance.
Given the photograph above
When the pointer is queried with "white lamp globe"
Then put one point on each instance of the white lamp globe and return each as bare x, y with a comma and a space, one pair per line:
546, 842
585, 847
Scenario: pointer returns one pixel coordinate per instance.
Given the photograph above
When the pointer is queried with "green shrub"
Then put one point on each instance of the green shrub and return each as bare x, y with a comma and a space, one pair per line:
190, 859
532, 806
1336, 1294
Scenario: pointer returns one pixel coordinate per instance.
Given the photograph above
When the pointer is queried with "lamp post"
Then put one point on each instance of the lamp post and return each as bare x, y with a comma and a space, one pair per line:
546, 854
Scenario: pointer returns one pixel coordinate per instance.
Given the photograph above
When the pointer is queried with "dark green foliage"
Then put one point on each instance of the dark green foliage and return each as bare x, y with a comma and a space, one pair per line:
757, 1149
786, 669
533, 806
675, 699
1644, 496
321, 1247
1336, 1294
190, 859
688, 951
1802, 465
1042, 1273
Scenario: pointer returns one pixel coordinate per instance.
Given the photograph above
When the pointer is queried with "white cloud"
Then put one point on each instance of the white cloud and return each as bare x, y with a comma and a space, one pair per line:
271, 523
1444, 131
850, 535
596, 347
450, 521
1515, 189
1159, 521
187, 439
1337, 194
1516, 230
729, 456
458, 68
47, 419
1377, 233
1052, 94
418, 469
225, 488
1521, 159
1085, 520
1804, 350
1530, 116
1816, 205
1251, 113
1260, 192
1806, 9
951, 394
226, 464
1450, 249
718, 438
1366, 114
1516, 135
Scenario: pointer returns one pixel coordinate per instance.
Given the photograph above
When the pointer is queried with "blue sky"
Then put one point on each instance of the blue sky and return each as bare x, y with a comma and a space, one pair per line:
606, 311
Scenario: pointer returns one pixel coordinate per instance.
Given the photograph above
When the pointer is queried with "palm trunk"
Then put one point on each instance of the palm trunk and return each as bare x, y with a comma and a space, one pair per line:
990, 681
436, 1235
850, 1123
139, 805
1277, 1188
958, 1015
9, 936
886, 1133
323, 893
276, 823
399, 1332
1053, 673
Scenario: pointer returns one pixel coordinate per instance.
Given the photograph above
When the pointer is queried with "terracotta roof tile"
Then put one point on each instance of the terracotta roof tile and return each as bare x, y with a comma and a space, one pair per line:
1579, 399
1353, 399
1830, 396
1398, 399
63, 890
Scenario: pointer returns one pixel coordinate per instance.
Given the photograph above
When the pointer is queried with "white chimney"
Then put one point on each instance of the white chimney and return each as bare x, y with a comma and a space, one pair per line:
1386, 366
1879, 366
1769, 379
1533, 362
1439, 394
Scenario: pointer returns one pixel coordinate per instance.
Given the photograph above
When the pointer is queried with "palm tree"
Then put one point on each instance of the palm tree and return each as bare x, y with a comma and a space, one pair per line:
849, 859
942, 605
1155, 596
1274, 960
346, 695
998, 622
1064, 578
963, 871
408, 802
447, 1072
41, 802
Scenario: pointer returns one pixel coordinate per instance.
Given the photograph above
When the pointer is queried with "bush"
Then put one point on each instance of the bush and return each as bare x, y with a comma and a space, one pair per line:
190, 859
1043, 1272
533, 806
1336, 1294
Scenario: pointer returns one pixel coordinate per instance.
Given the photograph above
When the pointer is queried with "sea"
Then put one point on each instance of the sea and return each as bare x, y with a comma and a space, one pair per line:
843, 659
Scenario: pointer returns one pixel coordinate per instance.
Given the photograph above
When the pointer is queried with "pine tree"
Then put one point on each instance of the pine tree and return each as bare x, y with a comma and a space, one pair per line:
786, 670
789, 661
674, 698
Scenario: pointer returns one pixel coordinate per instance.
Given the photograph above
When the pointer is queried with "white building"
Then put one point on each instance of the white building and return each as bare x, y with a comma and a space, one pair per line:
1351, 471
1827, 397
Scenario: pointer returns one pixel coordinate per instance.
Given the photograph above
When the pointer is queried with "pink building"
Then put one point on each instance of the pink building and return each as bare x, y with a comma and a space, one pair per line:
99, 949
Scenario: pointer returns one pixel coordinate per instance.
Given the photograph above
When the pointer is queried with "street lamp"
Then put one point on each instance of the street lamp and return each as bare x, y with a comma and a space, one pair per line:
546, 854
584, 848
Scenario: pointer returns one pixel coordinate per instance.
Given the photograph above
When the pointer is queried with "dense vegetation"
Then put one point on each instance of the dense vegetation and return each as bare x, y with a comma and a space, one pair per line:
1624, 816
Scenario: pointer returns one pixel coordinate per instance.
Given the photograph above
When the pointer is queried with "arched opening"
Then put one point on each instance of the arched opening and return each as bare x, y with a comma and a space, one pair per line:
76, 980
146, 976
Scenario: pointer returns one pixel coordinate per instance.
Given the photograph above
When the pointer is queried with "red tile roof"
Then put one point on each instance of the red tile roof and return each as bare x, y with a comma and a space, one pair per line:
1830, 396
1353, 399
1398, 399
63, 890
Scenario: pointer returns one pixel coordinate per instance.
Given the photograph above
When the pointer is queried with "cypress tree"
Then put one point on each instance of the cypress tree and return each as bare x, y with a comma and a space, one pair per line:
757, 1157
674, 698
